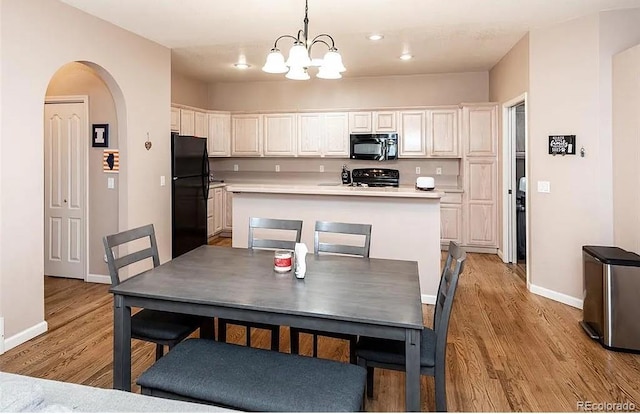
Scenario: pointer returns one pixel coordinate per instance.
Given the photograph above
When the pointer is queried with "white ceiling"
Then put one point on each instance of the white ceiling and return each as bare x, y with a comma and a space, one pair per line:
208, 36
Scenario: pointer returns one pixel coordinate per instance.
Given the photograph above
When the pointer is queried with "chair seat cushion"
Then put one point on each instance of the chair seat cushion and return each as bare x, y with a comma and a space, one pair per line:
388, 351
166, 326
254, 379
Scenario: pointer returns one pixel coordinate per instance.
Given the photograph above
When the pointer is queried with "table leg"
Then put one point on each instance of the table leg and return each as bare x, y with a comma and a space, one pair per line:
412, 349
121, 344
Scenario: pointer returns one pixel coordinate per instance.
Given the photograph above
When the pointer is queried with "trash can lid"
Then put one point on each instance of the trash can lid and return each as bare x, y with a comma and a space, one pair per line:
613, 255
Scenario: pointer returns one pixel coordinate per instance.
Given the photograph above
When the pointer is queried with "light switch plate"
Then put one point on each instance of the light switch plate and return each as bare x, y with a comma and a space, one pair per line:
162, 181
417, 170
322, 168
111, 183
438, 170
235, 167
544, 187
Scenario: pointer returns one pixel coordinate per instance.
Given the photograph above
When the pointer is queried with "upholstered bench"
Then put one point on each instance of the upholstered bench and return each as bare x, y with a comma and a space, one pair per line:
250, 379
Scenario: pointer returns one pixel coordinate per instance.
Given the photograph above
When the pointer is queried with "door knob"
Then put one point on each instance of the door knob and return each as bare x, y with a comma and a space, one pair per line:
65, 200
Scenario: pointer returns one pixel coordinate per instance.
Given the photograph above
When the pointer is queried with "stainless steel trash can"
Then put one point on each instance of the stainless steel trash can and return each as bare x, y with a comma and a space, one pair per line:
611, 309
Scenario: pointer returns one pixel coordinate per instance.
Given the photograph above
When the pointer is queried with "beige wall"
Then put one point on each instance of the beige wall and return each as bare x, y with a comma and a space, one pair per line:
626, 149
78, 79
569, 91
187, 91
39, 37
389, 91
508, 79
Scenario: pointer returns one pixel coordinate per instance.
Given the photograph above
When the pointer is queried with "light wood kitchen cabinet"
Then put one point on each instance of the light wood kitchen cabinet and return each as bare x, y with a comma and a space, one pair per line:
227, 224
443, 139
187, 122
279, 135
175, 119
412, 134
323, 134
479, 130
201, 127
246, 135
450, 223
373, 122
480, 206
360, 122
219, 136
210, 213
218, 216
384, 121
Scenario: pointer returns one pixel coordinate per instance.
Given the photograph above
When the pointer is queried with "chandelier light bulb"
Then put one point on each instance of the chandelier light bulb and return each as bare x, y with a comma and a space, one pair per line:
297, 73
275, 62
333, 61
298, 56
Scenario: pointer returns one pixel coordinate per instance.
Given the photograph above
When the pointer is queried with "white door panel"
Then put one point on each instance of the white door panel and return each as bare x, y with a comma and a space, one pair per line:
65, 222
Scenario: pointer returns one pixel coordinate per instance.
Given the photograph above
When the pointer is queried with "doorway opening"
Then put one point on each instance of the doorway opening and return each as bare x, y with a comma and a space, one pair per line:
515, 206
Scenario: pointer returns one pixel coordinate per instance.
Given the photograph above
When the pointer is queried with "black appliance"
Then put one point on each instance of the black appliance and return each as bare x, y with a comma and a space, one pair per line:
345, 175
375, 177
189, 193
378, 147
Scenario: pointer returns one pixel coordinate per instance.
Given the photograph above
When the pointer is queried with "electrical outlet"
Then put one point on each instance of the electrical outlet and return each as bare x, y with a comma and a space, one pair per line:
322, 168
544, 187
235, 167
417, 170
277, 168
438, 170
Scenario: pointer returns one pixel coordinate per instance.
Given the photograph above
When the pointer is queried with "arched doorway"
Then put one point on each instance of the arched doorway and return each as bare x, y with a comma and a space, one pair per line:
82, 201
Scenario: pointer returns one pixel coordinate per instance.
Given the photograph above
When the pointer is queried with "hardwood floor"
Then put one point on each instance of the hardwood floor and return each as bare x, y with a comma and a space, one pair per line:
508, 349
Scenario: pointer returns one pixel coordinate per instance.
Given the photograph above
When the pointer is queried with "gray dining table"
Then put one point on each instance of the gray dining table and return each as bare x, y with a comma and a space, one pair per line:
362, 296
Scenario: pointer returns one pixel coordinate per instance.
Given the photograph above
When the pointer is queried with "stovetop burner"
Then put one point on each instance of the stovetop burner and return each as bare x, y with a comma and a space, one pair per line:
375, 177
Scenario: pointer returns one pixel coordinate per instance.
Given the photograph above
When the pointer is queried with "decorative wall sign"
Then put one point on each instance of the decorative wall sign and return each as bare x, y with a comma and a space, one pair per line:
111, 161
100, 136
562, 144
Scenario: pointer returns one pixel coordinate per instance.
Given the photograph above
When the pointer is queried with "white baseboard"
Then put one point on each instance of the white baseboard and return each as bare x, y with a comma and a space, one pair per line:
25, 335
501, 256
1, 335
558, 297
99, 279
428, 299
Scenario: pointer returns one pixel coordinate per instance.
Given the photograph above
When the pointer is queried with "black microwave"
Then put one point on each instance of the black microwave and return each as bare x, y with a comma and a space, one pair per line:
374, 146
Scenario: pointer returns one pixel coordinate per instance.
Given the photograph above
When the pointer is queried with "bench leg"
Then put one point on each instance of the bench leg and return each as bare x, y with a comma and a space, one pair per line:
370, 382
159, 351
222, 330
208, 329
248, 335
315, 346
275, 339
294, 339
352, 351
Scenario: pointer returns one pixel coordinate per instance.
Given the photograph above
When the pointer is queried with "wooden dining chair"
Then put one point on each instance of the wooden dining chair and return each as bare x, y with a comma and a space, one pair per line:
287, 226
338, 248
390, 354
161, 328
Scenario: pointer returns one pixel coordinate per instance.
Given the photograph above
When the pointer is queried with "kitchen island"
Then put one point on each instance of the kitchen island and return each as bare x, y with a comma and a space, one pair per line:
405, 221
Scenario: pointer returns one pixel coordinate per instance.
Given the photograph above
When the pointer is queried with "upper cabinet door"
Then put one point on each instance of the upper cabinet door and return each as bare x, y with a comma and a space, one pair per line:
412, 134
201, 126
246, 135
175, 119
280, 134
442, 133
360, 122
187, 122
310, 131
385, 121
336, 134
479, 125
219, 137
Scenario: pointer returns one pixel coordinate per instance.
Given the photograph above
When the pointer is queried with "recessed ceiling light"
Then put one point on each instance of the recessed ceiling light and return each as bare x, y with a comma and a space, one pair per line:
376, 36
242, 65
406, 56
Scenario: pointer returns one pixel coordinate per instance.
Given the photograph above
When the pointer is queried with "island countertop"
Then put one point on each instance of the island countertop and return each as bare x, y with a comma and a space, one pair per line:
337, 190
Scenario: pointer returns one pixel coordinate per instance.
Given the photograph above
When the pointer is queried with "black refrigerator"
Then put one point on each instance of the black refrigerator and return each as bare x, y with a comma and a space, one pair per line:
189, 193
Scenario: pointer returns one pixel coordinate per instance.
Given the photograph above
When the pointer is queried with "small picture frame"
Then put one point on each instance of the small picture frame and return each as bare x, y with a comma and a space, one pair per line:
100, 135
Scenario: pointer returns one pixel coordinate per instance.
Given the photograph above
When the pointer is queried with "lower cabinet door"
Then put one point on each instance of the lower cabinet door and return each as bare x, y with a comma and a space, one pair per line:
450, 223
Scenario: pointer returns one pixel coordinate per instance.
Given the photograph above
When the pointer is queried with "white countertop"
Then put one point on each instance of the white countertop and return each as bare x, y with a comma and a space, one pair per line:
217, 185
337, 190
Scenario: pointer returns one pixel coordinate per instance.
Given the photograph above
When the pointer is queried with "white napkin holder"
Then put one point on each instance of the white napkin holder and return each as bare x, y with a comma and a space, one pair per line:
300, 251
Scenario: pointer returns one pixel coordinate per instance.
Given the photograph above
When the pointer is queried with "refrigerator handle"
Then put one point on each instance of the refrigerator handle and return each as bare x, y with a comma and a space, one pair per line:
205, 178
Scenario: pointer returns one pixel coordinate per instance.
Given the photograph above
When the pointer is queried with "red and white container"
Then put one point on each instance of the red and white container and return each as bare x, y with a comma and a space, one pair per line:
282, 261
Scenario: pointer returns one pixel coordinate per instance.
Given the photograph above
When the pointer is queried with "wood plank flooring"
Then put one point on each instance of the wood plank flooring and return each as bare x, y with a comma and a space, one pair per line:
508, 349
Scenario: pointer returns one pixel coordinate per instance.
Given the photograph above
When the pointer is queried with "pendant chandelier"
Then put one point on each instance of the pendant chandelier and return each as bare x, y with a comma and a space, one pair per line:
299, 60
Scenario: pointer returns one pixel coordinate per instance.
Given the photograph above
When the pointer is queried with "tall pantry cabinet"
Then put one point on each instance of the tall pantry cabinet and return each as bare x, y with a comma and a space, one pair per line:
480, 169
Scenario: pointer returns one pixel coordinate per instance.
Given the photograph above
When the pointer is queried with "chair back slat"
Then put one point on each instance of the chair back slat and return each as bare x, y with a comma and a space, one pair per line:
342, 228
454, 266
274, 224
114, 240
